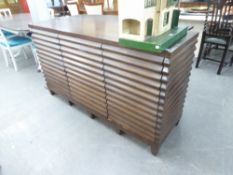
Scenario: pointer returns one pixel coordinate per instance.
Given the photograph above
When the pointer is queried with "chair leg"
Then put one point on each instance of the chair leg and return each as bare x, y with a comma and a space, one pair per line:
13, 60
5, 57
200, 53
24, 53
36, 57
206, 51
231, 61
222, 61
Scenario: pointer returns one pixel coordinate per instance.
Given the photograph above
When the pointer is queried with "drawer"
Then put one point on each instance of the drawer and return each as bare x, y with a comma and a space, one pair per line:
85, 79
92, 94
80, 71
73, 53
133, 69
76, 40
80, 47
148, 65
133, 91
134, 84
137, 99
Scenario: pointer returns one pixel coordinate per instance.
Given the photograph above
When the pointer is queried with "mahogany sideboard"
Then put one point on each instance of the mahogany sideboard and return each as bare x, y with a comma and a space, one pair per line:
139, 93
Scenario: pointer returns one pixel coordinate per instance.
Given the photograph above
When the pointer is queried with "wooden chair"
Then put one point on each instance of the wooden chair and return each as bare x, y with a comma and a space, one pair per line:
217, 31
231, 50
73, 7
94, 8
5, 12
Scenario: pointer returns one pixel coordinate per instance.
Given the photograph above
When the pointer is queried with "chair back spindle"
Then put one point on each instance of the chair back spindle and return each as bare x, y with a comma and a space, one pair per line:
219, 19
5, 12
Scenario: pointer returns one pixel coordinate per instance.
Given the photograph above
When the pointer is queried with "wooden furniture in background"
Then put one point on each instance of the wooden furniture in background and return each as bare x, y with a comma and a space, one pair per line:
217, 31
5, 12
73, 7
13, 5
140, 93
108, 9
94, 8
193, 4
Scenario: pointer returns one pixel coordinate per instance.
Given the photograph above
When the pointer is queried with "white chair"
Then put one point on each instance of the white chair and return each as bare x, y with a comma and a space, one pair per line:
5, 12
51, 12
73, 8
10, 45
94, 8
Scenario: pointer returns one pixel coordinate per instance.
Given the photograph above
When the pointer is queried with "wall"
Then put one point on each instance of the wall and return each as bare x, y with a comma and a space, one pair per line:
24, 6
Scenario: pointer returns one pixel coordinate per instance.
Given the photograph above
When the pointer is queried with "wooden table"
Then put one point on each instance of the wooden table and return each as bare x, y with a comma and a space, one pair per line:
140, 93
16, 23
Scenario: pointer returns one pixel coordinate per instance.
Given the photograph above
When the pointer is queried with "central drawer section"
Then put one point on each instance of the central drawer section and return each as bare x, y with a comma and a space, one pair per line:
84, 66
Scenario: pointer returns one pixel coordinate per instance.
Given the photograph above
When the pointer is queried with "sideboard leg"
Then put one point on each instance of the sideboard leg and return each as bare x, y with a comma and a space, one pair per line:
120, 132
71, 103
93, 116
154, 149
52, 92
177, 123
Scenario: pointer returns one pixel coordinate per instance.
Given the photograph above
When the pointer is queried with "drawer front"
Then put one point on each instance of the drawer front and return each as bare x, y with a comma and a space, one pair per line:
84, 66
48, 50
133, 86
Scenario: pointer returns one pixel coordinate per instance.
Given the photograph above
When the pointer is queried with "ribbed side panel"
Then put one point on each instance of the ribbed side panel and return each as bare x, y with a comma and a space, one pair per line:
177, 79
48, 50
84, 66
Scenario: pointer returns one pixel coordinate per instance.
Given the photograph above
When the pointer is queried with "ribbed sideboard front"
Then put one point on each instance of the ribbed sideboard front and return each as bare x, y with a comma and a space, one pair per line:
140, 93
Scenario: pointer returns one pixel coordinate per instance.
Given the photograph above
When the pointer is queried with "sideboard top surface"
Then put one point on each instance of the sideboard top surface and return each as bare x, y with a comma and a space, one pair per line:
102, 29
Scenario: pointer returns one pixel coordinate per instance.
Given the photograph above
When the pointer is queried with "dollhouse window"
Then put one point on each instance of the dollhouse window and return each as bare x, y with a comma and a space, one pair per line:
149, 27
150, 3
131, 26
166, 18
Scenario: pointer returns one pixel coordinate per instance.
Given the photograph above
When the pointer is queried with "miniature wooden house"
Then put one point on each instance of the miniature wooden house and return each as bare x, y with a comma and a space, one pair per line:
144, 18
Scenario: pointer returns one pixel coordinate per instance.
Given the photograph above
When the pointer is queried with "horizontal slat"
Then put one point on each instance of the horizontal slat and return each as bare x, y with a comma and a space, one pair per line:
118, 117
76, 75
131, 96
44, 33
136, 85
135, 62
79, 60
132, 76
79, 80
134, 53
47, 44
132, 90
132, 103
73, 52
79, 40
82, 48
89, 103
53, 69
45, 38
87, 92
133, 69
150, 123
50, 56
51, 64
78, 70
77, 66
41, 48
